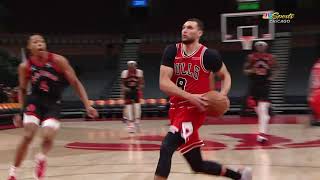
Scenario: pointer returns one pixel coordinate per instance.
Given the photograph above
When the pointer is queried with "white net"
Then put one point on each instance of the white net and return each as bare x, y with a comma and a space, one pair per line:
246, 42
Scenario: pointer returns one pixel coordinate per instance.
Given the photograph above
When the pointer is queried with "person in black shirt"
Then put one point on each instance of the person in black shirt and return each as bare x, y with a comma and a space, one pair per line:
48, 74
260, 68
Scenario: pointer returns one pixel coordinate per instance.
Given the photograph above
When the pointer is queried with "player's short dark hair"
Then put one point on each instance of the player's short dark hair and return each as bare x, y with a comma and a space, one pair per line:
198, 21
28, 53
33, 34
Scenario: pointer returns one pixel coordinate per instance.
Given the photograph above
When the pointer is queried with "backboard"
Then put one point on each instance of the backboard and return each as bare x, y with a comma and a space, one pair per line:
236, 25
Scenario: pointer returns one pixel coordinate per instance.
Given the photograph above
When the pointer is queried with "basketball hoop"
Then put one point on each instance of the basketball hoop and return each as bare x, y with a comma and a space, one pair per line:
246, 42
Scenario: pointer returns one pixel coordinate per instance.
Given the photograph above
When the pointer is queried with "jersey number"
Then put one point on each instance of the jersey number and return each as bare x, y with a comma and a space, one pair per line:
181, 83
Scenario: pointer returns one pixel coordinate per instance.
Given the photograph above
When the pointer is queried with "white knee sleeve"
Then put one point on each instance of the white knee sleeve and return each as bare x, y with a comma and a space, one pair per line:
137, 112
129, 114
263, 116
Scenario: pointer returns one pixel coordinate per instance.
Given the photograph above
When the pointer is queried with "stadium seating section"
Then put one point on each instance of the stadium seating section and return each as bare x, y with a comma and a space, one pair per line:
95, 60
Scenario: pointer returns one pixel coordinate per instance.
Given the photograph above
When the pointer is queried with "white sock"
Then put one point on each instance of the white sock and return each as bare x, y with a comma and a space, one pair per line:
12, 170
263, 116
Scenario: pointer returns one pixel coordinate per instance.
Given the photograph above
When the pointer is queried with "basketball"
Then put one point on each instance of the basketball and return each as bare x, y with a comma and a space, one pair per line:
217, 104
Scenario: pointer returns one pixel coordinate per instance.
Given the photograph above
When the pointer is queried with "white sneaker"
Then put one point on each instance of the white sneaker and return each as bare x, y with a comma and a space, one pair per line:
246, 173
261, 139
131, 128
137, 127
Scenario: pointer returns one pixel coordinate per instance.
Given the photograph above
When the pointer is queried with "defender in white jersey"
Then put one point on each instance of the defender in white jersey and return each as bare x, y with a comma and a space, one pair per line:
132, 85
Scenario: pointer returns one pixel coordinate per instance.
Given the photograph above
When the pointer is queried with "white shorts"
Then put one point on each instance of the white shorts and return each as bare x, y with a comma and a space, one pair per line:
51, 122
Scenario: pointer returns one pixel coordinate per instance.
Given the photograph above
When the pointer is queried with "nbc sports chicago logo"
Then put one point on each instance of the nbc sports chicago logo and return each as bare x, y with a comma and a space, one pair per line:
276, 17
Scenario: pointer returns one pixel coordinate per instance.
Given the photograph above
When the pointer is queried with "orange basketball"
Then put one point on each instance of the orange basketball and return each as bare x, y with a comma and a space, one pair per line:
217, 103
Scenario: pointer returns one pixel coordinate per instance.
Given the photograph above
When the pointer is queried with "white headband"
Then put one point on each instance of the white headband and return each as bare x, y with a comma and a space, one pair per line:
260, 43
131, 62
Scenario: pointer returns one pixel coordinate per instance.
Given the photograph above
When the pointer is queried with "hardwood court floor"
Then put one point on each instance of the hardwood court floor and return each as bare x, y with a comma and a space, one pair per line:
293, 152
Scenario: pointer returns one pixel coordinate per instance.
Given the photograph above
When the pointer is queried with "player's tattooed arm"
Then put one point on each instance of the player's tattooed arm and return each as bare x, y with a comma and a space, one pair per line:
123, 88
166, 72
224, 74
167, 86
247, 68
23, 82
72, 78
212, 81
171, 89
123, 83
141, 81
70, 75
275, 68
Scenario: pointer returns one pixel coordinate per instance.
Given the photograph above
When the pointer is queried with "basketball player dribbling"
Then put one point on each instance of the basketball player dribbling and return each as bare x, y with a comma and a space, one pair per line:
185, 75
48, 75
132, 85
258, 67
314, 94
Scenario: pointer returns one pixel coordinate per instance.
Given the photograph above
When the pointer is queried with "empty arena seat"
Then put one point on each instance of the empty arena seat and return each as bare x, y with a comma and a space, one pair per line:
300, 64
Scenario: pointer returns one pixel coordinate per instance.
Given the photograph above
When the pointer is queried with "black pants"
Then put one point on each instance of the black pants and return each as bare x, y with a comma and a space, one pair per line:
170, 144
259, 90
41, 107
132, 96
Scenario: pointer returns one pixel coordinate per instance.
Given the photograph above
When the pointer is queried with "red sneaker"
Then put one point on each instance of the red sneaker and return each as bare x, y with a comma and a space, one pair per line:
41, 166
262, 138
12, 178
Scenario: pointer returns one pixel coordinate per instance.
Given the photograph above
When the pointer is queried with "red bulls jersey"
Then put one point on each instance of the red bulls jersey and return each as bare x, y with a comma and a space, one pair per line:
189, 73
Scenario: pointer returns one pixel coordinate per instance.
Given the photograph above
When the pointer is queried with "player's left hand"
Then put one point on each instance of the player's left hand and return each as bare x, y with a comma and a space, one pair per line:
92, 112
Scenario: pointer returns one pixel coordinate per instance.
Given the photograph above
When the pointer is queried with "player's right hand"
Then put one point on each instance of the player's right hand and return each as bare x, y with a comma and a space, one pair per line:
92, 112
17, 120
199, 101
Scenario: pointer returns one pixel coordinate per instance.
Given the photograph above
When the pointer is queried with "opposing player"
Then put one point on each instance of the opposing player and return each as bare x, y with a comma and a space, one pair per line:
259, 67
185, 75
48, 74
314, 94
132, 85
